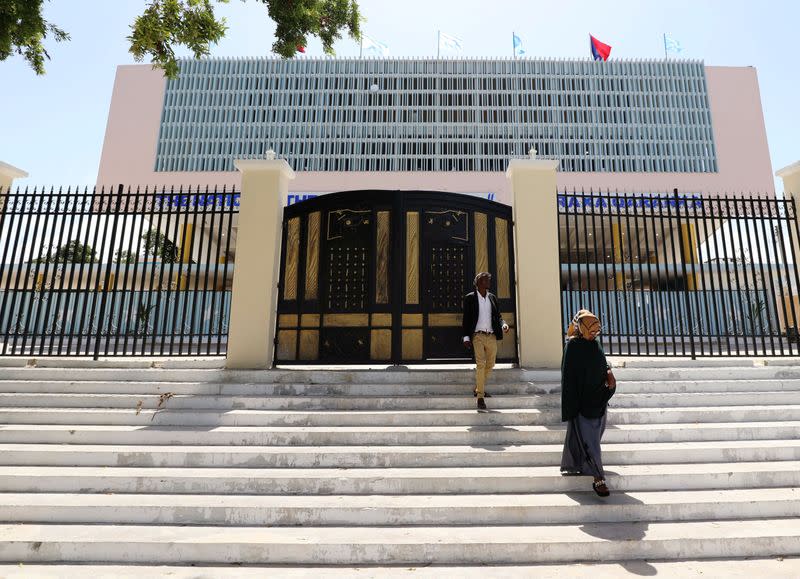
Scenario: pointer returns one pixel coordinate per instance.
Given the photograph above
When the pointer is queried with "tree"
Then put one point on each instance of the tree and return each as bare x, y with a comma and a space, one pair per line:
143, 312
71, 252
22, 30
158, 245
126, 257
167, 24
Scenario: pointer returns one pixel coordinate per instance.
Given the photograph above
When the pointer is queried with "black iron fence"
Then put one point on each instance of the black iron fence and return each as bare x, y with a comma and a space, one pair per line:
680, 275
119, 272
130, 272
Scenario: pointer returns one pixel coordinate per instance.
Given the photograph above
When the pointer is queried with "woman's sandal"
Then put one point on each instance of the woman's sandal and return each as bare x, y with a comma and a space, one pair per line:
600, 488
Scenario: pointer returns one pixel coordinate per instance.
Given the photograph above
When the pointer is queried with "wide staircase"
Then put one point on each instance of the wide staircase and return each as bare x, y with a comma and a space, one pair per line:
178, 464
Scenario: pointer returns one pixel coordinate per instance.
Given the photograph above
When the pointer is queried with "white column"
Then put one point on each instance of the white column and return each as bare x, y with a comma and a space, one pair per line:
7, 175
791, 180
251, 333
791, 190
538, 275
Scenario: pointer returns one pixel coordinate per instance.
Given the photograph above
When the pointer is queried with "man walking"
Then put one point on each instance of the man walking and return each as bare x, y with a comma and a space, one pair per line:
482, 327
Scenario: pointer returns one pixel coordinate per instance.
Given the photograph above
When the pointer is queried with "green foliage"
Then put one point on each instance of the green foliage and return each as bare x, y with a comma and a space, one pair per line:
754, 312
298, 19
143, 312
126, 257
167, 24
22, 30
71, 252
158, 245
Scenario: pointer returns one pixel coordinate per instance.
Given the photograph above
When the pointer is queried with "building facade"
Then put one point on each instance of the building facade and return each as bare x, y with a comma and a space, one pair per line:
443, 125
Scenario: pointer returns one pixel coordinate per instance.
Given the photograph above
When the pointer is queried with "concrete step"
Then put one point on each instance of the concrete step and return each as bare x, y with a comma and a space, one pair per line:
718, 362
687, 362
268, 389
88, 363
193, 402
397, 481
386, 456
350, 467
406, 402
774, 568
387, 510
385, 435
398, 545
457, 417
668, 371
442, 375
218, 362
698, 386
520, 388
709, 373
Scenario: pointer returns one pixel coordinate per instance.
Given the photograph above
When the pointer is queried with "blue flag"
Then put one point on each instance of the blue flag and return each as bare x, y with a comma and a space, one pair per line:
518, 49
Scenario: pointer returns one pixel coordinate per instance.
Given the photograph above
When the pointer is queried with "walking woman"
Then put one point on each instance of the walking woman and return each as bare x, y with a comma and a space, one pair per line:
587, 384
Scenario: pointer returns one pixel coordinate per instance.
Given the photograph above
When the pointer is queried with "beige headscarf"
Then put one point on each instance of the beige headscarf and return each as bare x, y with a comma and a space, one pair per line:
584, 323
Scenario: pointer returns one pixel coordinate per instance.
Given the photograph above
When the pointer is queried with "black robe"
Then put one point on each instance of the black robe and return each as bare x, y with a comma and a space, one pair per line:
583, 380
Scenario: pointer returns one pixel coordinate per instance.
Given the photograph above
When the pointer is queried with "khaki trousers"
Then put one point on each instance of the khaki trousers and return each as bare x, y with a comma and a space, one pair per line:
485, 348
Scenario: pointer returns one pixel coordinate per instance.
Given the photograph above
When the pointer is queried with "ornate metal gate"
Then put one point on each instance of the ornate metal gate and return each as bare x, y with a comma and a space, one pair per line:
379, 276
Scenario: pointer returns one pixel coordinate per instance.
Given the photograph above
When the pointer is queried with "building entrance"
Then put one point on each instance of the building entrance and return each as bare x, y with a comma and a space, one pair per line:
379, 276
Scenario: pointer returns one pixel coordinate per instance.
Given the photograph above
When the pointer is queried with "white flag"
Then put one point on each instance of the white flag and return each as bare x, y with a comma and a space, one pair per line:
672, 45
375, 46
449, 42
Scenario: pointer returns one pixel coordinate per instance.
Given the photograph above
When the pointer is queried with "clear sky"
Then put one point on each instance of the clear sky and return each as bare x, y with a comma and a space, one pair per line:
53, 126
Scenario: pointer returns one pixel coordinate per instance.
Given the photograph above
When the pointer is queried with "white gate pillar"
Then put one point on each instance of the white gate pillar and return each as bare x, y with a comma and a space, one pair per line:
7, 175
538, 275
791, 190
254, 300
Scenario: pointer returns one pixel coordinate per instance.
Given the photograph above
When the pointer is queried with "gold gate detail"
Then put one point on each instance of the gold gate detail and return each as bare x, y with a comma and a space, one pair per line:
379, 276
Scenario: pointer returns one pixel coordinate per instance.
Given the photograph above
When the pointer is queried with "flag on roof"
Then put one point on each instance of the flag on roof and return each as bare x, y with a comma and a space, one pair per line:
600, 51
371, 45
449, 42
672, 45
518, 50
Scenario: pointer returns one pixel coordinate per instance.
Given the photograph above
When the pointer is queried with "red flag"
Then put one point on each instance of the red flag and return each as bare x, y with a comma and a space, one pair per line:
600, 51
301, 48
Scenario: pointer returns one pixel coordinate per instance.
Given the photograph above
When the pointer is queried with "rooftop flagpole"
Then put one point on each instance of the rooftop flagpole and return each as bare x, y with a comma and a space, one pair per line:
513, 47
665, 47
438, 43
361, 47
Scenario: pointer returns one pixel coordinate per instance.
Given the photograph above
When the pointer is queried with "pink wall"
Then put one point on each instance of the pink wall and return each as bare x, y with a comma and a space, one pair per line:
741, 136
743, 156
129, 147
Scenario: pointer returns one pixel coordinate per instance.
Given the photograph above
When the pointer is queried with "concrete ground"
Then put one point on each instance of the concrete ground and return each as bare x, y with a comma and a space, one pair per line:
778, 568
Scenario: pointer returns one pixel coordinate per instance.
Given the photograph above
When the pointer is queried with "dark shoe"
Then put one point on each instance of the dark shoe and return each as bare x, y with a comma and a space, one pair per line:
600, 488
481, 404
485, 394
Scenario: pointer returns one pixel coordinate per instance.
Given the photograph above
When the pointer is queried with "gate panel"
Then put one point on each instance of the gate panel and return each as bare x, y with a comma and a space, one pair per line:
117, 272
680, 275
449, 243
394, 267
